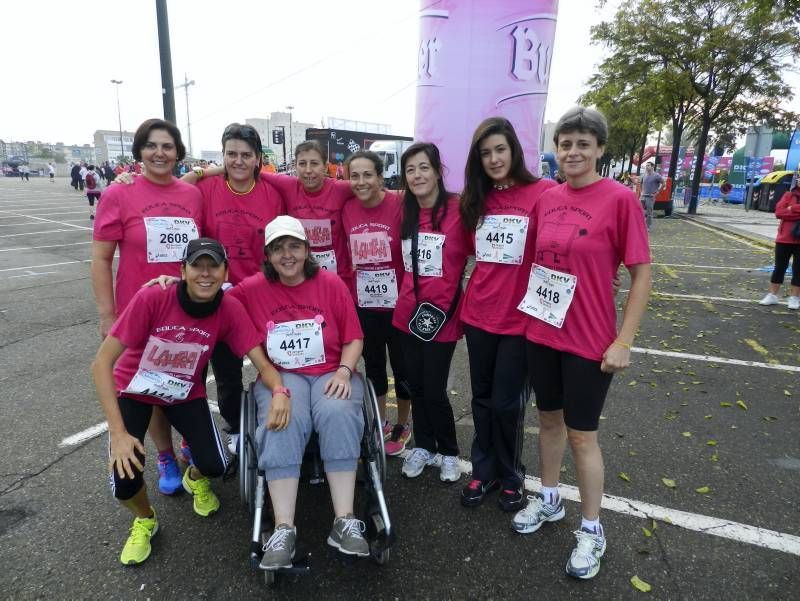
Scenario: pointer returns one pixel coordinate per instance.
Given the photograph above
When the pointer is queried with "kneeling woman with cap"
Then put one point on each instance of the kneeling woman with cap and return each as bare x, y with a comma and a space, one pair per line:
156, 354
312, 335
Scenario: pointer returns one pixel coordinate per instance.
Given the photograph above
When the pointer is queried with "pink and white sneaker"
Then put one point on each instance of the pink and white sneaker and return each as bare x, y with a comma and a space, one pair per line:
400, 435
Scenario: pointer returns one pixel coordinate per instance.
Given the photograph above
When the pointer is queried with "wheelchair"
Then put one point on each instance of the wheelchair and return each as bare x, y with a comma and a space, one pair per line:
371, 474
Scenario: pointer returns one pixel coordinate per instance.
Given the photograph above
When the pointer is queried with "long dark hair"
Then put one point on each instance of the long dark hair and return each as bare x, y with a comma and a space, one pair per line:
476, 182
410, 202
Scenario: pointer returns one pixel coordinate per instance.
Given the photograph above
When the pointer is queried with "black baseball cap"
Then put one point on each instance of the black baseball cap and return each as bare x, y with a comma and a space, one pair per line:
205, 246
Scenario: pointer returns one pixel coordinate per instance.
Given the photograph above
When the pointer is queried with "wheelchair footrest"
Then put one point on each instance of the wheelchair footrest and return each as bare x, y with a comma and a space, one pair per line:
299, 567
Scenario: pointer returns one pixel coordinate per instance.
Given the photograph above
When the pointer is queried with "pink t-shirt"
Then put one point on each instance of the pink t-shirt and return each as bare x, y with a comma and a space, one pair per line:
167, 350
495, 288
374, 243
151, 225
238, 222
443, 255
587, 232
321, 214
291, 320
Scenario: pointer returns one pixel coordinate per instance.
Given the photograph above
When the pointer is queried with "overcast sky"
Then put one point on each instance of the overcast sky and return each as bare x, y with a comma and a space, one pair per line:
355, 59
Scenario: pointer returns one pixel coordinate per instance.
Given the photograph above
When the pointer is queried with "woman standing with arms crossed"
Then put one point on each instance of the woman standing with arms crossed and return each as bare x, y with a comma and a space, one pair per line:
498, 203
435, 250
584, 230
151, 221
372, 221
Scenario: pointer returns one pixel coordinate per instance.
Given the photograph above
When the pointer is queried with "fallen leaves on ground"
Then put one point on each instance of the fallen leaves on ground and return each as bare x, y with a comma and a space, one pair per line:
640, 585
668, 482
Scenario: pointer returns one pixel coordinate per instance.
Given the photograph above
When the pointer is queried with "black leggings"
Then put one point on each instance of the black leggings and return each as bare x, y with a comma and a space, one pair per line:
498, 370
783, 252
228, 375
428, 366
379, 334
192, 419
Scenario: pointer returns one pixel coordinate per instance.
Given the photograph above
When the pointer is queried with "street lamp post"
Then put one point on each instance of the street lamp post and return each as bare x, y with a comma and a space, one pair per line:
117, 83
185, 85
291, 138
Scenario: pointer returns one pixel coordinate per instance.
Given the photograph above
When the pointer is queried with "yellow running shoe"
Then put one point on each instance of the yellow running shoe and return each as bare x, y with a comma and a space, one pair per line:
137, 547
204, 500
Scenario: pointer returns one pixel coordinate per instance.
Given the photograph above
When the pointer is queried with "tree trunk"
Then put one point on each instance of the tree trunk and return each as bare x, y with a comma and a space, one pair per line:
641, 154
700, 153
677, 134
630, 163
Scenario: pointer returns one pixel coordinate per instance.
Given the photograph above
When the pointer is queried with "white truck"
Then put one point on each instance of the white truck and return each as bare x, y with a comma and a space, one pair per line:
390, 152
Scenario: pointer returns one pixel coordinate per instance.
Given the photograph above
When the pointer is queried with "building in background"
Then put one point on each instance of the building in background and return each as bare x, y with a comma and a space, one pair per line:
211, 155
279, 120
107, 145
353, 125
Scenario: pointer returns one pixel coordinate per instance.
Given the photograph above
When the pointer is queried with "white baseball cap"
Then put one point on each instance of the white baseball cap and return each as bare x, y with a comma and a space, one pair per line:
284, 225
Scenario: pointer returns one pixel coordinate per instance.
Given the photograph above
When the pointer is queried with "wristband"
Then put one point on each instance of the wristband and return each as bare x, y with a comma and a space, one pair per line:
623, 344
199, 172
282, 390
349, 371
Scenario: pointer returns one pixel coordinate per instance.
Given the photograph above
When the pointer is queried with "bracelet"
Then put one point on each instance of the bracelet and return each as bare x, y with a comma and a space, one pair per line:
349, 371
623, 344
199, 172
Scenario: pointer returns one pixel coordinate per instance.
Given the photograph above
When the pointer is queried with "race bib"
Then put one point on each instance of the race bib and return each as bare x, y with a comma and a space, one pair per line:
167, 237
326, 259
377, 289
318, 232
371, 248
501, 239
159, 384
295, 344
549, 295
429, 254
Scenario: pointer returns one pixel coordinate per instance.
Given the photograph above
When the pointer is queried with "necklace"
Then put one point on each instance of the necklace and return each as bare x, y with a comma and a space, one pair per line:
250, 189
502, 187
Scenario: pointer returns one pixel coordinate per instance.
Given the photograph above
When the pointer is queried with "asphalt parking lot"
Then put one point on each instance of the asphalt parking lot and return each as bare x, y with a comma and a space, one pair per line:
700, 439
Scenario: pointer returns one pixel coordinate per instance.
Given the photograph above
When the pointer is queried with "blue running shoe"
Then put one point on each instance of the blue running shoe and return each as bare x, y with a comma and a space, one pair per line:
170, 480
186, 452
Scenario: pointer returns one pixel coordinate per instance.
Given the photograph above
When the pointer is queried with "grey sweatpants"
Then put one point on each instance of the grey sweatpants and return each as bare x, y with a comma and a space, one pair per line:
339, 423
648, 203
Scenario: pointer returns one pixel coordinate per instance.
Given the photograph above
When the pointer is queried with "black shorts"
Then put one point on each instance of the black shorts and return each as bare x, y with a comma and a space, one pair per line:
565, 381
92, 196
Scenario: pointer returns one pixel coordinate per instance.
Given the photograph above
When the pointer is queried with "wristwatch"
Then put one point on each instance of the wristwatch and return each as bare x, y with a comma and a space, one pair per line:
282, 390
199, 172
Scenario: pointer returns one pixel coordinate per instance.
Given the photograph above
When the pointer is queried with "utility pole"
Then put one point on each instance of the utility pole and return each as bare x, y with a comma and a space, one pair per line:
291, 138
185, 85
117, 83
167, 87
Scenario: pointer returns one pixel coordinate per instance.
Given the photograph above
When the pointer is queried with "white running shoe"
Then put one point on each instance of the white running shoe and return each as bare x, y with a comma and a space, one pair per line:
233, 444
794, 302
416, 461
769, 299
584, 563
451, 468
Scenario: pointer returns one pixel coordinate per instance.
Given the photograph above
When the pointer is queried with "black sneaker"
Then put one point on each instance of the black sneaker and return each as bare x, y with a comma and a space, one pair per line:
511, 499
473, 493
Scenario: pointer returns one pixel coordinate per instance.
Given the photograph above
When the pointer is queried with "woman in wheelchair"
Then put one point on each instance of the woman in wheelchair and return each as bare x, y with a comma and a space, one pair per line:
312, 335
157, 353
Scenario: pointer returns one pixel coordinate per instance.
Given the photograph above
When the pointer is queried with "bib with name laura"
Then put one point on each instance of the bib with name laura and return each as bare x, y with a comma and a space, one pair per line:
501, 239
370, 248
376, 289
296, 344
429, 254
162, 362
167, 237
549, 295
318, 232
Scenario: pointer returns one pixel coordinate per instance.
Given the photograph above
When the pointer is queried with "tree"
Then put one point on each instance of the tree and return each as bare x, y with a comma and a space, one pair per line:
723, 57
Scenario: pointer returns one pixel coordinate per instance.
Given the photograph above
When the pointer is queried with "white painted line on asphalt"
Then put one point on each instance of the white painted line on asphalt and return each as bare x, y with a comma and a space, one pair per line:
699, 297
5, 250
45, 265
44, 232
712, 359
56, 222
708, 266
726, 235
764, 250
744, 533
102, 427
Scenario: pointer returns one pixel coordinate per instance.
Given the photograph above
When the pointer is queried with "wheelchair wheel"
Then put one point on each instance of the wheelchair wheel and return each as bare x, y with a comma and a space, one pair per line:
373, 429
248, 460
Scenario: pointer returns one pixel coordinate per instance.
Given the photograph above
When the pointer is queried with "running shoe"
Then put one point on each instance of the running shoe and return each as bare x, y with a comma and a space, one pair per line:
169, 474
450, 471
400, 436
137, 547
473, 493
233, 443
769, 299
584, 563
416, 461
387, 430
279, 549
511, 499
794, 301
537, 512
204, 501
347, 535
186, 452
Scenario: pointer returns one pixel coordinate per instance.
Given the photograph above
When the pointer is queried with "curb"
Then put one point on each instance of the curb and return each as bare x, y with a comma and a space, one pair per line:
758, 240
